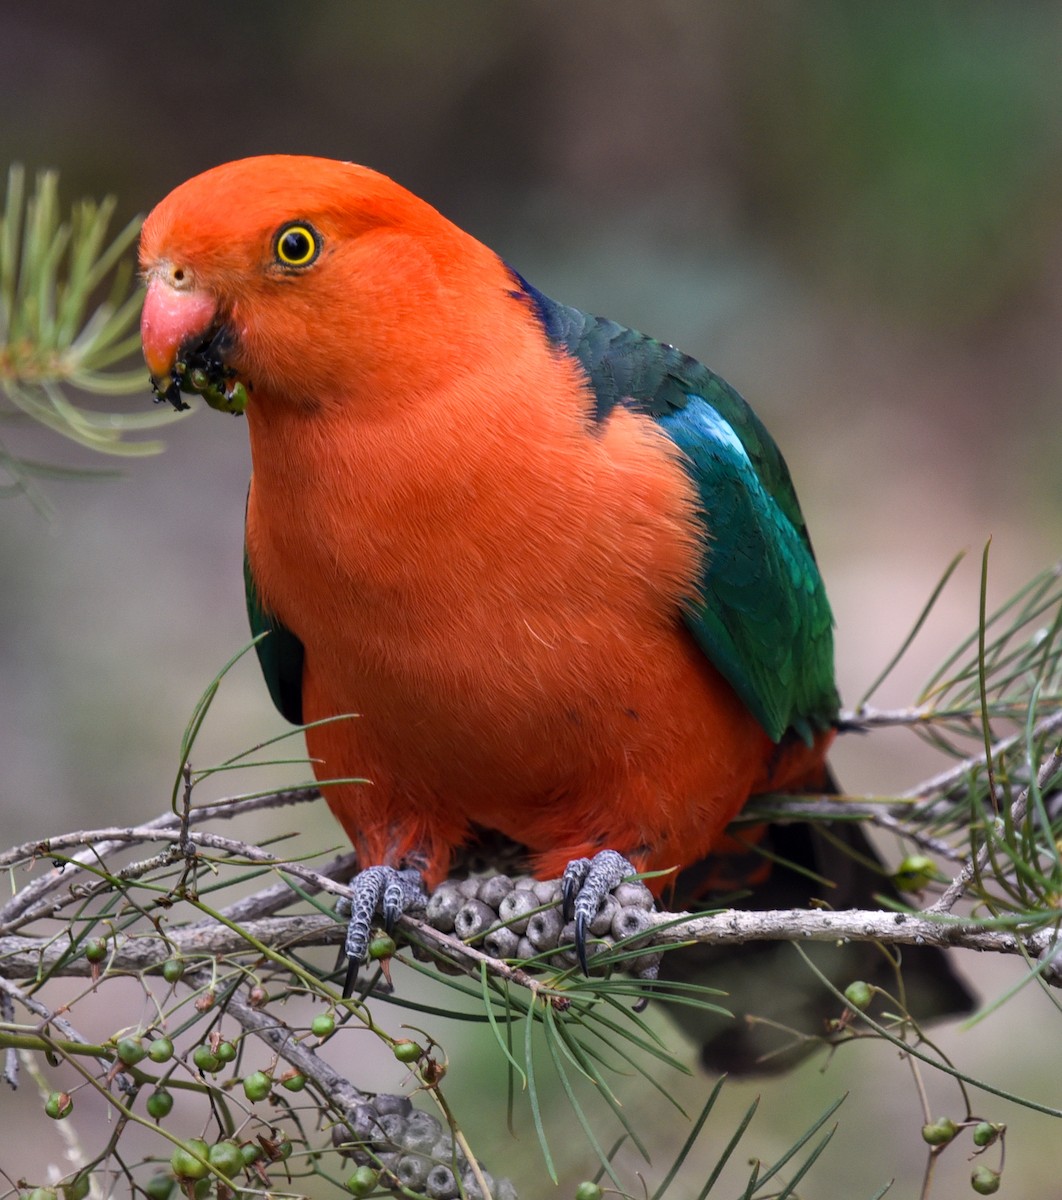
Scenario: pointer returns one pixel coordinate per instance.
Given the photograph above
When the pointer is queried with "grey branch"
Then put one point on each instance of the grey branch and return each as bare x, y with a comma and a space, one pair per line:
23, 956
282, 1040
738, 926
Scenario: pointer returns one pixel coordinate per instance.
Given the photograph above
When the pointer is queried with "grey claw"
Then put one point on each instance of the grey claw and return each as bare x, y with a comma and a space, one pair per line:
571, 884
586, 883
387, 890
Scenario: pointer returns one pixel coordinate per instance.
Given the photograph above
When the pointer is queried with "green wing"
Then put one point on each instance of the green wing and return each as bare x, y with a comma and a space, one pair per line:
280, 655
761, 615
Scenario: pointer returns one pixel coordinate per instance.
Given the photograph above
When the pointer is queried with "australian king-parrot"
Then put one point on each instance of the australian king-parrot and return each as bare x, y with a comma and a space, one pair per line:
556, 567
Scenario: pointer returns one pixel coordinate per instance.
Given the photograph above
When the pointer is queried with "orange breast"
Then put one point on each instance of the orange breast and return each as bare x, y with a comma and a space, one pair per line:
494, 587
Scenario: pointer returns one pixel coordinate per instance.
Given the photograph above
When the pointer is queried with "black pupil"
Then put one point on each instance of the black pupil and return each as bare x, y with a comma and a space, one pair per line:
295, 245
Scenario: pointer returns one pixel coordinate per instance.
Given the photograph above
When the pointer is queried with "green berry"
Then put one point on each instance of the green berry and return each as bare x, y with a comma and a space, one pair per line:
43, 1193
939, 1132
227, 1157
985, 1181
986, 1133
96, 950
250, 1152
323, 1025
294, 1083
283, 1150
59, 1106
159, 1104
406, 1051
226, 1052
78, 1187
172, 970
160, 1050
859, 994
257, 1086
206, 1060
131, 1050
184, 1163
160, 1187
381, 946
588, 1190
914, 873
363, 1181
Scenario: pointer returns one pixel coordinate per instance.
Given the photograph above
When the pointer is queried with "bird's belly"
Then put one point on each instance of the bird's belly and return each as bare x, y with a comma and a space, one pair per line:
565, 734
511, 640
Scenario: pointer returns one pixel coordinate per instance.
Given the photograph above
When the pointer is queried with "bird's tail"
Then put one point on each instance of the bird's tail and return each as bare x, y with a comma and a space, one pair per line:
781, 1009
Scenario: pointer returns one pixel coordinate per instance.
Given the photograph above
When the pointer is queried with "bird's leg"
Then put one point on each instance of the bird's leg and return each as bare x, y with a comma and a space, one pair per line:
386, 890
585, 883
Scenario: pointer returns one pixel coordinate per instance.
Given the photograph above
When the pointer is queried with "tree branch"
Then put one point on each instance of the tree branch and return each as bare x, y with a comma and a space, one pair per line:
21, 957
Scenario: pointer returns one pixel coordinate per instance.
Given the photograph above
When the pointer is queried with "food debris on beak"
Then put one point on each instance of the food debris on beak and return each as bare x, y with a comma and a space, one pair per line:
186, 343
201, 371
169, 390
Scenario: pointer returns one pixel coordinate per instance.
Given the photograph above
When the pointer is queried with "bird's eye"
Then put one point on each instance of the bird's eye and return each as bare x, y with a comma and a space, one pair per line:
297, 245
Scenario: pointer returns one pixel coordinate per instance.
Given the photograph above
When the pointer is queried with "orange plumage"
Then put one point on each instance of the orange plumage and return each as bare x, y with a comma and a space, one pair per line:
557, 569
493, 580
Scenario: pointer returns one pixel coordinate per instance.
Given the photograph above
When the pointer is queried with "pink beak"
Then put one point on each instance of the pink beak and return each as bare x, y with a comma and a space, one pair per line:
172, 318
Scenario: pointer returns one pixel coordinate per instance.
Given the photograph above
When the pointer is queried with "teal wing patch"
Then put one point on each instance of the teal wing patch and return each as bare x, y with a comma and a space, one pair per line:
761, 615
280, 654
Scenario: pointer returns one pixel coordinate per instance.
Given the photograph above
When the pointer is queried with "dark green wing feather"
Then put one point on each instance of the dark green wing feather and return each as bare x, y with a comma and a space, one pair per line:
762, 616
280, 655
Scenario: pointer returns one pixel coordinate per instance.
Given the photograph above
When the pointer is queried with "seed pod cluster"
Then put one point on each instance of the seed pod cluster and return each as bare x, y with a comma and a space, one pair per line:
411, 1149
520, 918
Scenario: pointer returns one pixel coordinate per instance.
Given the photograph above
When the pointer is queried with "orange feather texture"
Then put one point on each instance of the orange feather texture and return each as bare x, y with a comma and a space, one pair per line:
489, 578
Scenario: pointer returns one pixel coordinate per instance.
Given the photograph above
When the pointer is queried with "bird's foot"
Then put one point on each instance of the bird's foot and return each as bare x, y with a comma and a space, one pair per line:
384, 890
585, 884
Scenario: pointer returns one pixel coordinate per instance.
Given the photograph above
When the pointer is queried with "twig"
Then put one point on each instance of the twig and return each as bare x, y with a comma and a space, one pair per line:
919, 715
152, 833
271, 899
101, 842
7, 1015
13, 992
885, 813
281, 1039
976, 863
943, 783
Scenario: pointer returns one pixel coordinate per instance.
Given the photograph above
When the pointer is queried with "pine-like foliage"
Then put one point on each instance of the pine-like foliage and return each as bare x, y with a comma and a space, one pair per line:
69, 308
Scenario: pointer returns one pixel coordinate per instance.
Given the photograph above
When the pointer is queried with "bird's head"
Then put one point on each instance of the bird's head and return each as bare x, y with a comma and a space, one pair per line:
304, 280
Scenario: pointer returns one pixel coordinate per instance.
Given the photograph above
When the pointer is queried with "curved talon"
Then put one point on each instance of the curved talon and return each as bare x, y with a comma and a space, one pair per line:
580, 941
387, 890
571, 882
585, 884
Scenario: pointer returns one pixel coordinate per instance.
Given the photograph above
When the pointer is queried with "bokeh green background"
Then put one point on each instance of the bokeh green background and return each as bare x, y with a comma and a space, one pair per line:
850, 210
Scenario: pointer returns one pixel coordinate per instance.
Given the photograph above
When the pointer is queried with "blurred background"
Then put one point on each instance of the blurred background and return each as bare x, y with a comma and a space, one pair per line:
850, 211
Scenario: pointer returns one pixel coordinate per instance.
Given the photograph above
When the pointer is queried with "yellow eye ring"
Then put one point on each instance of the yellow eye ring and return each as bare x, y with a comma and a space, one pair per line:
297, 245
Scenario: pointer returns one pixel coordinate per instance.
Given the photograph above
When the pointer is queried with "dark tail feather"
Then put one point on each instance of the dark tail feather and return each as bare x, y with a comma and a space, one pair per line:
767, 980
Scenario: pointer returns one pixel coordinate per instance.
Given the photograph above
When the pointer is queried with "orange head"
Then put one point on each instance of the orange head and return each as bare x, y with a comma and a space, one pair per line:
308, 280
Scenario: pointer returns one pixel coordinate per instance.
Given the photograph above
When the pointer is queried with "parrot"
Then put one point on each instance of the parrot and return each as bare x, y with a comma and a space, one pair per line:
550, 573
